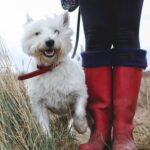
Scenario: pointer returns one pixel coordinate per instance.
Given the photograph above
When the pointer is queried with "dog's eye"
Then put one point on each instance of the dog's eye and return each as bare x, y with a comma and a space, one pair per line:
56, 31
37, 33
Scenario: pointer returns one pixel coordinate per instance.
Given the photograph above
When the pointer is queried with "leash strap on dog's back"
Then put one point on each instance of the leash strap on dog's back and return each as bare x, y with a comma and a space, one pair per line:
77, 35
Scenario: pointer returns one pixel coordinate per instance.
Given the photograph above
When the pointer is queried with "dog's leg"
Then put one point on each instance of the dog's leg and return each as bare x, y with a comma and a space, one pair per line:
40, 111
80, 121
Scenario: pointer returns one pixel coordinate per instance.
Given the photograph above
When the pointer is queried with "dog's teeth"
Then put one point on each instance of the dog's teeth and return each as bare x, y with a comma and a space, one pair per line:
49, 53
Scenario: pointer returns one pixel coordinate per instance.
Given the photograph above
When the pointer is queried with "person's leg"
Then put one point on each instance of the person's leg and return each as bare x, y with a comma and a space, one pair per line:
126, 84
127, 14
96, 16
128, 61
97, 23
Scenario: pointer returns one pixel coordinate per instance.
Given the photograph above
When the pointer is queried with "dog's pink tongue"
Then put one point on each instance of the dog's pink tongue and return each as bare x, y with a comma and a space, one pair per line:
49, 53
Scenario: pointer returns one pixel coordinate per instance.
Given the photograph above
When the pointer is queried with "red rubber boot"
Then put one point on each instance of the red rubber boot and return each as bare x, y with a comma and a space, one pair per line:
126, 88
99, 82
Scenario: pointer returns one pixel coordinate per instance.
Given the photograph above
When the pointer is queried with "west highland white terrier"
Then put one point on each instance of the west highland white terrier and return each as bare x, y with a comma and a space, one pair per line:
61, 88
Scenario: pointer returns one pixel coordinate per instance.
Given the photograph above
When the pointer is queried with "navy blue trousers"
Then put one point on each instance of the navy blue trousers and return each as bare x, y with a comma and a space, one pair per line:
110, 23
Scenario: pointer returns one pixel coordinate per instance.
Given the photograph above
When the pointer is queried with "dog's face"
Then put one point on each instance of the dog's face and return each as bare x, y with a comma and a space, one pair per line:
48, 40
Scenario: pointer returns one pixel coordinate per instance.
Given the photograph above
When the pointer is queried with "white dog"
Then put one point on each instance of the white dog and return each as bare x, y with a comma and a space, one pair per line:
63, 88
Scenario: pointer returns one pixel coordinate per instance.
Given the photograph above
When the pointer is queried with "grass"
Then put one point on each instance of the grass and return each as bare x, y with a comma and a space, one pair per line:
19, 130
142, 117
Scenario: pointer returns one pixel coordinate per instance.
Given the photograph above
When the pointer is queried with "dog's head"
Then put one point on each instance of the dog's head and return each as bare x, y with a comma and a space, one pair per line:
48, 40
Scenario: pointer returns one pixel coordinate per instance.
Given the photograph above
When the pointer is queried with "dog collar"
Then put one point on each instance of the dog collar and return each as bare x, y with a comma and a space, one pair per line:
41, 70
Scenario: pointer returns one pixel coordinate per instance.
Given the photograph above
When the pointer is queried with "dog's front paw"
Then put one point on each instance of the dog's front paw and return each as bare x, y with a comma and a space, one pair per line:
47, 134
46, 131
80, 124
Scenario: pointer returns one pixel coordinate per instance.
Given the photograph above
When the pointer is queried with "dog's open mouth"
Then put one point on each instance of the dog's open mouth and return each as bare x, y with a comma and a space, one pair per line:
49, 53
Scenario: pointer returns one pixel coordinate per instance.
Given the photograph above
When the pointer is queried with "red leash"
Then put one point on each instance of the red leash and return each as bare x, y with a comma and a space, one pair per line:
41, 70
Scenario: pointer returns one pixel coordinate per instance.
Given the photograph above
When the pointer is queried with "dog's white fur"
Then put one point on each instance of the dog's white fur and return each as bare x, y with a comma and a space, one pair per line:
63, 89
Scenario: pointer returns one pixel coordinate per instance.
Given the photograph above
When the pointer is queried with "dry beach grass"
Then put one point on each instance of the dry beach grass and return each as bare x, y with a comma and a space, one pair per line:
142, 118
19, 130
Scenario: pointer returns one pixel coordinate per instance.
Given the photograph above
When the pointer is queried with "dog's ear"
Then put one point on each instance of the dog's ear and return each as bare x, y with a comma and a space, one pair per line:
66, 19
28, 19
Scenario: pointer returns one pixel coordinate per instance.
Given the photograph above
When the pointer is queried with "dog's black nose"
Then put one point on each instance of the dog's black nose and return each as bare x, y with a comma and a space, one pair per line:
49, 43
